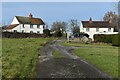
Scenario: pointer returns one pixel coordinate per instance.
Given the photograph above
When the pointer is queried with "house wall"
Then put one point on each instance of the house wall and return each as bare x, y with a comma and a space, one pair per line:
27, 28
15, 21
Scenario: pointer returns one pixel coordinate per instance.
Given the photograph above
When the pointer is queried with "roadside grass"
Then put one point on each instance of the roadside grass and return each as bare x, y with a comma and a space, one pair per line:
104, 57
56, 54
19, 56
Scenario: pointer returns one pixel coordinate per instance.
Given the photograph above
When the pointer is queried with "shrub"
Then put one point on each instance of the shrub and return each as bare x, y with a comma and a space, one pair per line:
46, 32
57, 34
84, 34
103, 38
112, 38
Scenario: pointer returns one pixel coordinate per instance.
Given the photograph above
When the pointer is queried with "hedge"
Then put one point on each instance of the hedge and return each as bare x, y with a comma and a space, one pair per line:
116, 40
20, 35
108, 38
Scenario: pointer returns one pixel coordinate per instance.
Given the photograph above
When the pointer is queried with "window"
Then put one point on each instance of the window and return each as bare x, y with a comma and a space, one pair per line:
23, 26
31, 31
22, 31
109, 29
38, 26
15, 30
97, 29
38, 32
43, 26
87, 29
31, 26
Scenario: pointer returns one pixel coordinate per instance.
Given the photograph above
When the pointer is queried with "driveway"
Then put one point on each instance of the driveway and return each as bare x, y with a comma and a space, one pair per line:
68, 66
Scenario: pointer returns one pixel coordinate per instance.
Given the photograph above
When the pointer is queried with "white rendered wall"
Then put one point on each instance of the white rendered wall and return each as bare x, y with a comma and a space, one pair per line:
27, 28
15, 21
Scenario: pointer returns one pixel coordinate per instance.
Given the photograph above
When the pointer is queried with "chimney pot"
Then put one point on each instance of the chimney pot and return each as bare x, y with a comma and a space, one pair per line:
30, 15
90, 20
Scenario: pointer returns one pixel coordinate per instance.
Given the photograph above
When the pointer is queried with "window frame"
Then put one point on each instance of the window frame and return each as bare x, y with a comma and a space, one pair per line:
109, 29
97, 29
23, 26
31, 32
38, 32
22, 31
38, 26
31, 26
87, 29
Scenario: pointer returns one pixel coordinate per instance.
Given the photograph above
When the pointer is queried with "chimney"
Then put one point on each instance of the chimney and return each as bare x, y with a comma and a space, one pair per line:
30, 15
90, 20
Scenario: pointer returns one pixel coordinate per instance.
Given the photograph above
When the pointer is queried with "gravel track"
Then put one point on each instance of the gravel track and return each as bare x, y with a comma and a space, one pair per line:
69, 66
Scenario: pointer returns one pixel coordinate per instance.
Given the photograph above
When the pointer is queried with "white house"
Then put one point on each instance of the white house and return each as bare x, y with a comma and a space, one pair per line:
26, 25
96, 27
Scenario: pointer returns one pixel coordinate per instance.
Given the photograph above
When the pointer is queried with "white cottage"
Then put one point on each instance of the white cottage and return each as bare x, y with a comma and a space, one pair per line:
26, 25
96, 27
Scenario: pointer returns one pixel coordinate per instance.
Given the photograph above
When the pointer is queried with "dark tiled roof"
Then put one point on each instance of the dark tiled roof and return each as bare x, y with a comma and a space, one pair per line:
28, 20
11, 26
96, 24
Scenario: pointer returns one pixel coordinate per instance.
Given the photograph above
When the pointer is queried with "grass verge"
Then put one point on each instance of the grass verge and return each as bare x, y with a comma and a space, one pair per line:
104, 57
19, 56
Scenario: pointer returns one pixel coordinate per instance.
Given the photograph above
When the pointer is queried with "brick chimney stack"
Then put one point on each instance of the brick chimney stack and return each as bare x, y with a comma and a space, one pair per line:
30, 15
90, 20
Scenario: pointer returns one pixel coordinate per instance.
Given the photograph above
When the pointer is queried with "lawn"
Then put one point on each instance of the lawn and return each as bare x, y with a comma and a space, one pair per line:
104, 57
19, 56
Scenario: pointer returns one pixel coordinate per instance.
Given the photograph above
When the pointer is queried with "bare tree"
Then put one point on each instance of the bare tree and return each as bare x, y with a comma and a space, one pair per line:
74, 26
59, 25
112, 16
119, 16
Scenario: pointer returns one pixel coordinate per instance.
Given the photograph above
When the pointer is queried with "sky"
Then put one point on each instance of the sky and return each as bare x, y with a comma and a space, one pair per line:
56, 11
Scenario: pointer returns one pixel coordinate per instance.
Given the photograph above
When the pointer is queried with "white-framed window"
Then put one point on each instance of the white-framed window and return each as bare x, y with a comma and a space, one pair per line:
15, 31
109, 29
31, 31
22, 31
38, 26
31, 26
23, 26
97, 29
38, 32
87, 29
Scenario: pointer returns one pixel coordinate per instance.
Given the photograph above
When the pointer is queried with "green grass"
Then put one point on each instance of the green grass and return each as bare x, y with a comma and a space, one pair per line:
19, 56
56, 54
104, 57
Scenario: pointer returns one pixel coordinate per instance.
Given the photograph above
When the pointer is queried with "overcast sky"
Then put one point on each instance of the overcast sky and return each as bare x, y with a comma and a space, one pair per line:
56, 11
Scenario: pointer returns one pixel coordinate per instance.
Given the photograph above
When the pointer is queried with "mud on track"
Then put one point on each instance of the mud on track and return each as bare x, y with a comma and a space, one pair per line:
69, 66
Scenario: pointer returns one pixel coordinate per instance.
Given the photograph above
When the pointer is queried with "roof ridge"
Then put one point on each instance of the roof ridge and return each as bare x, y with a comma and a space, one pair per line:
27, 17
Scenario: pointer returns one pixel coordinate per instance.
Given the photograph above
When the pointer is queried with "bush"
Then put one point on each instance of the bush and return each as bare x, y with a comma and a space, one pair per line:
57, 34
112, 38
103, 38
84, 34
46, 32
